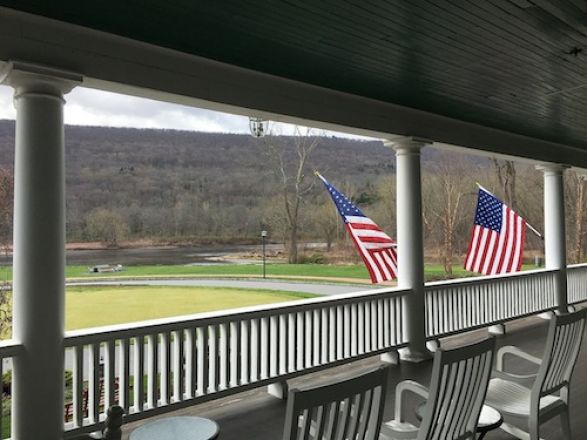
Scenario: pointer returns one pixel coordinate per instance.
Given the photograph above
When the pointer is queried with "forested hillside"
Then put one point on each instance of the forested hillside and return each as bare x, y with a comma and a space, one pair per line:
167, 183
188, 186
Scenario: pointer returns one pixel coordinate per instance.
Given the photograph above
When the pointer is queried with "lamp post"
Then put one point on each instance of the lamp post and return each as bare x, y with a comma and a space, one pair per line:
263, 238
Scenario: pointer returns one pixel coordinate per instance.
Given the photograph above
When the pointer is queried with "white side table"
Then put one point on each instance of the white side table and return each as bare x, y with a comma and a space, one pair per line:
177, 428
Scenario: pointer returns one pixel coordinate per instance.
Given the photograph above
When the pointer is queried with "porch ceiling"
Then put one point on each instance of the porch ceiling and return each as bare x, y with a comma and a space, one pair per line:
518, 65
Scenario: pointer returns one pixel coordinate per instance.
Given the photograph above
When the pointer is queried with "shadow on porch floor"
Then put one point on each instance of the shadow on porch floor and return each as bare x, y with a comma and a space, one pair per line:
255, 415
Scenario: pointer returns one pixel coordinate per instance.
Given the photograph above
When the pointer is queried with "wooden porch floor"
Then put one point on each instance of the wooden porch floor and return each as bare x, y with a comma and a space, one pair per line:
255, 415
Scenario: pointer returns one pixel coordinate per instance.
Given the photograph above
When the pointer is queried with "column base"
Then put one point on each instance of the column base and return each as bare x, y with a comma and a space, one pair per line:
391, 357
497, 330
433, 345
278, 389
409, 355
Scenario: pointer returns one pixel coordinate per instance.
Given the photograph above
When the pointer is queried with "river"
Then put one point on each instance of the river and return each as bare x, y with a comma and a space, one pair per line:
164, 255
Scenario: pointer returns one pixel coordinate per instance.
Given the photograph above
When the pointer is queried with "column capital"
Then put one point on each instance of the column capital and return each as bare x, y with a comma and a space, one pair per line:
552, 168
34, 78
406, 144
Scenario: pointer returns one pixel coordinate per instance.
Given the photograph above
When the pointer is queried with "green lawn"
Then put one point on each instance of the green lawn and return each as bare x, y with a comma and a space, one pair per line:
92, 306
348, 272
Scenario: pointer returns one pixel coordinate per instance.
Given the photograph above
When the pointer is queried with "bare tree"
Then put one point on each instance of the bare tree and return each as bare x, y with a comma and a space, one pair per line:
290, 165
328, 221
506, 176
445, 187
107, 226
578, 197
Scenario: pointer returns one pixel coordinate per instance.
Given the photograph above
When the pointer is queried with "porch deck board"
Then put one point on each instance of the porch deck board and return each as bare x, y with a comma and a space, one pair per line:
255, 415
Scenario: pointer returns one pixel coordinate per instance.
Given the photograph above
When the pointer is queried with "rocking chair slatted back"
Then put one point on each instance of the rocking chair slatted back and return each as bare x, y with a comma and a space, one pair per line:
347, 410
563, 344
458, 387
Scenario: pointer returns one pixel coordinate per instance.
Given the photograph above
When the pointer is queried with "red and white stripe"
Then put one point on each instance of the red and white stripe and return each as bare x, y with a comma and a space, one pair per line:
376, 248
491, 252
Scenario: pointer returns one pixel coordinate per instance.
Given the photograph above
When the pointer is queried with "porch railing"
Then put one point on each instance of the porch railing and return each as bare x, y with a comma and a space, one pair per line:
455, 306
577, 283
157, 366
9, 349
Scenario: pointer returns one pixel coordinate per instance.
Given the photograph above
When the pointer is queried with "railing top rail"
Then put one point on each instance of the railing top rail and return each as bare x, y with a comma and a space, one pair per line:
127, 330
577, 266
486, 279
10, 348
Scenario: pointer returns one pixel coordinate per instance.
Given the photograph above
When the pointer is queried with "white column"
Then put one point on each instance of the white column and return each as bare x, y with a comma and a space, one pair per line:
39, 249
410, 244
555, 245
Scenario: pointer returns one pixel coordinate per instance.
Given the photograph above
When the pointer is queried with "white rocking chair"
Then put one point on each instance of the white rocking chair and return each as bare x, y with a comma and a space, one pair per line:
458, 385
529, 406
347, 410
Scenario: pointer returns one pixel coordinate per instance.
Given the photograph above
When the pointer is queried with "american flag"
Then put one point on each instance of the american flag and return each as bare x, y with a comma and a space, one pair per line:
376, 248
497, 239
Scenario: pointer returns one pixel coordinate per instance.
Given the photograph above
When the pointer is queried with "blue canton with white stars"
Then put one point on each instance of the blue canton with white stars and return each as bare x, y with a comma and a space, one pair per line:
489, 211
344, 205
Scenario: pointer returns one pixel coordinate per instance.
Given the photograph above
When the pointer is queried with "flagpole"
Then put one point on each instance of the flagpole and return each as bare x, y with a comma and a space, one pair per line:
532, 228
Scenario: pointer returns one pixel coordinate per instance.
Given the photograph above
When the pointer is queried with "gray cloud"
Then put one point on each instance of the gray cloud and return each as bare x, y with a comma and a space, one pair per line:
98, 108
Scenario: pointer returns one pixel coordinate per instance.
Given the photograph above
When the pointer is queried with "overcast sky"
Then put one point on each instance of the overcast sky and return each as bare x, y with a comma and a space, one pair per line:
94, 107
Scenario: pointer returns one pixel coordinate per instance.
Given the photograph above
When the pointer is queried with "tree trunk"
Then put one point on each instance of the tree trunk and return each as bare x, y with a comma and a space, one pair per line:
506, 175
447, 257
577, 253
293, 245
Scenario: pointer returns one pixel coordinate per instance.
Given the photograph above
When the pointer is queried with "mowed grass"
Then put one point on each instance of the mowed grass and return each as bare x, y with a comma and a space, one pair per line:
94, 306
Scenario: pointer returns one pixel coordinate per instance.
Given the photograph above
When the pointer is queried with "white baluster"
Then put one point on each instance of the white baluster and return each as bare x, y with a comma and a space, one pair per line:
109, 374
308, 333
273, 344
202, 364
283, 343
291, 342
223, 357
254, 350
152, 370
124, 374
165, 373
212, 359
235, 341
264, 348
245, 353
347, 331
316, 339
333, 325
361, 333
178, 365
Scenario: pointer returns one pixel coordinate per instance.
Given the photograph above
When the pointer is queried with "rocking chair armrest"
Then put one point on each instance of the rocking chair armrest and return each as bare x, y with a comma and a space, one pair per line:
526, 380
401, 388
514, 351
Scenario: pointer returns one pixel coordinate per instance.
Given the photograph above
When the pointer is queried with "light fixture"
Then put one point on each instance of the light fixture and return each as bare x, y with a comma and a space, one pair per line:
258, 126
